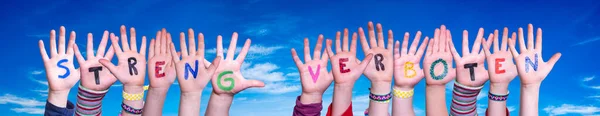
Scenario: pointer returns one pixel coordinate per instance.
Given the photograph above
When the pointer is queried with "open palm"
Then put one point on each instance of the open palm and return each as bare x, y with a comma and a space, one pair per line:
228, 79
407, 71
128, 55
530, 65
313, 73
380, 68
438, 52
90, 67
59, 78
500, 63
346, 68
161, 68
470, 68
198, 75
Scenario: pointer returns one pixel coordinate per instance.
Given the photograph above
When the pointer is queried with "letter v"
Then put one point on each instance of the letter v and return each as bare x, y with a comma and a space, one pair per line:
314, 75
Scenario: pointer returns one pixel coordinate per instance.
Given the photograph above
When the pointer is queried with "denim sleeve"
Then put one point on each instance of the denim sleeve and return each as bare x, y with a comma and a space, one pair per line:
52, 110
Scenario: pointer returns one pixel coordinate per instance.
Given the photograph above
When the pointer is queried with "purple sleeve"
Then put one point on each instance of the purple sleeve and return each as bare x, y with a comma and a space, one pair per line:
313, 109
52, 110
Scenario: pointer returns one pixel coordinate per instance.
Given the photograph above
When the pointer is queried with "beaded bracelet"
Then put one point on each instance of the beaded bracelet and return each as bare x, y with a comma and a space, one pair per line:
403, 94
495, 97
380, 98
130, 109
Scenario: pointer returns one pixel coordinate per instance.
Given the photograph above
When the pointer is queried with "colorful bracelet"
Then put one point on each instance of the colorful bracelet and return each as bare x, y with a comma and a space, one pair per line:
133, 97
495, 97
130, 109
403, 94
464, 100
380, 98
89, 102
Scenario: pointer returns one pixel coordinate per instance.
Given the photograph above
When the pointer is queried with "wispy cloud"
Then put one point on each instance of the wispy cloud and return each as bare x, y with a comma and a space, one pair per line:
29, 110
586, 79
277, 88
571, 109
275, 81
37, 72
586, 41
28, 105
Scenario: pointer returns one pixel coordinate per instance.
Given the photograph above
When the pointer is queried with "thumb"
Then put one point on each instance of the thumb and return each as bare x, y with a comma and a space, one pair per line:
254, 83
363, 64
111, 67
214, 64
553, 60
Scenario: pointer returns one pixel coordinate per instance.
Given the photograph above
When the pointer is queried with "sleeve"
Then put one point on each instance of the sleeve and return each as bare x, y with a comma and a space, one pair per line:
507, 112
313, 109
52, 110
348, 111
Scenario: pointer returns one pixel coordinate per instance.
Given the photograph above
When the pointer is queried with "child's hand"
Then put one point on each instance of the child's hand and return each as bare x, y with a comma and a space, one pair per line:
94, 75
228, 79
191, 70
380, 68
314, 76
131, 69
502, 70
407, 71
60, 72
532, 68
438, 59
160, 64
470, 68
346, 67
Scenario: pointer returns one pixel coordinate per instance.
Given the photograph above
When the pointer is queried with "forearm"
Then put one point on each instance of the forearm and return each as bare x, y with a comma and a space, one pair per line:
403, 106
310, 98
497, 108
136, 104
58, 98
308, 104
342, 98
219, 105
435, 103
189, 103
529, 99
379, 108
155, 100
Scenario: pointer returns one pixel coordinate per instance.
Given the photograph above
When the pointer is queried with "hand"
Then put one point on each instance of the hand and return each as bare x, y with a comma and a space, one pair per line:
471, 70
439, 59
314, 76
229, 79
407, 71
193, 61
131, 69
376, 71
346, 67
161, 68
532, 71
94, 75
60, 72
501, 61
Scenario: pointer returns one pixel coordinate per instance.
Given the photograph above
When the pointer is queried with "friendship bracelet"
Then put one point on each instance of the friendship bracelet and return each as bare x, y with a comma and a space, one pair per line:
403, 94
380, 98
130, 109
133, 97
495, 97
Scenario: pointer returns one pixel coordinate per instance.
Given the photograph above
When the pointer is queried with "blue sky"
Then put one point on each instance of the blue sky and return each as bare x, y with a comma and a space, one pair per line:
570, 27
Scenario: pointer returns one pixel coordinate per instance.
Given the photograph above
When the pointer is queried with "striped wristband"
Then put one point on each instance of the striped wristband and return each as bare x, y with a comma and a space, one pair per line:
89, 102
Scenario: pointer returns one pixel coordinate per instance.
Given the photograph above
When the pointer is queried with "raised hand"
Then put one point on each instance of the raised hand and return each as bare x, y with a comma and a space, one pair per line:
530, 65
94, 75
380, 69
228, 79
131, 68
346, 67
407, 71
438, 59
60, 72
191, 71
500, 62
313, 73
470, 68
160, 64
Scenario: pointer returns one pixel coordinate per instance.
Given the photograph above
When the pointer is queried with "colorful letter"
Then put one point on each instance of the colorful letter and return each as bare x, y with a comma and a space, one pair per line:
471, 67
343, 65
68, 72
96, 75
158, 68
409, 66
314, 75
230, 79
498, 65
189, 68
529, 62
378, 64
132, 70
432, 68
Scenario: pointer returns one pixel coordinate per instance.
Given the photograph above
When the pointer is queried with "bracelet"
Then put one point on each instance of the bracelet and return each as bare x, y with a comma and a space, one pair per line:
495, 97
130, 109
380, 98
403, 94
89, 102
133, 97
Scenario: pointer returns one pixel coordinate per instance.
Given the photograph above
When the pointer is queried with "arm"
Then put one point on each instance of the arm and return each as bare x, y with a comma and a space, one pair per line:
314, 78
501, 70
435, 100
407, 74
380, 69
531, 71
438, 71
346, 69
228, 80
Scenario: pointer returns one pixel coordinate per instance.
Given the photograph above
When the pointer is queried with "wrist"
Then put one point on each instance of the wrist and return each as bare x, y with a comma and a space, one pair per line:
58, 98
309, 98
380, 87
343, 86
133, 89
191, 94
499, 88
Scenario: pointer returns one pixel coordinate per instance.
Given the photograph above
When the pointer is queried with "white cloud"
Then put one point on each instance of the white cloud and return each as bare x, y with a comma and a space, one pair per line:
586, 41
265, 72
43, 93
511, 108
586, 79
37, 72
29, 110
255, 51
571, 109
277, 88
25, 102
294, 74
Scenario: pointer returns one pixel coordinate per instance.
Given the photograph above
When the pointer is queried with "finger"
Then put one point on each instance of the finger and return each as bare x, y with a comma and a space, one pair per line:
522, 46
115, 44
151, 49
61, 40
371, 29
319, 47
455, 54
102, 47
430, 45
157, 43
296, 58
90, 46
201, 45
538, 41
390, 39
325, 58
338, 47
71, 43
415, 43
111, 67
183, 45
143, 47
448, 38
363, 64
167, 44
443, 39
124, 42
192, 41
495, 39
163, 41
530, 37
437, 38
404, 50
477, 43
512, 48
504, 39
255, 83
422, 48
43, 51
174, 53
307, 57
53, 51
212, 67
487, 42
220, 46
78, 55
329, 51
244, 51
380, 36
465, 43
363, 40
345, 41
133, 42
111, 52
397, 50
553, 60
486, 49
353, 43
